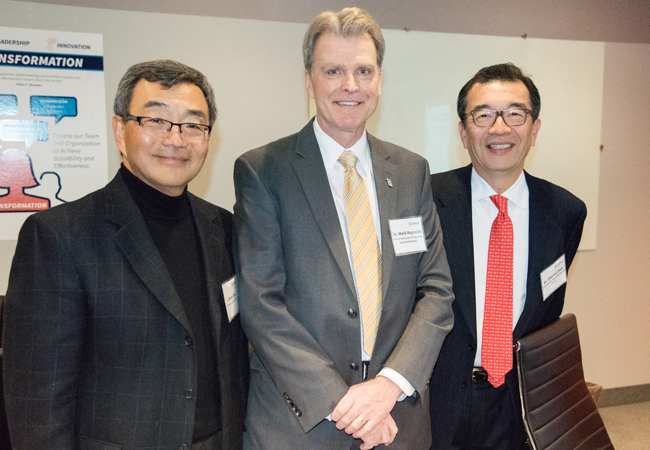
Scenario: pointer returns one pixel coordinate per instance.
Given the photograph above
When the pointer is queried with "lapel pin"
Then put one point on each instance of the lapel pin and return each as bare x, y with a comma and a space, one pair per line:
390, 183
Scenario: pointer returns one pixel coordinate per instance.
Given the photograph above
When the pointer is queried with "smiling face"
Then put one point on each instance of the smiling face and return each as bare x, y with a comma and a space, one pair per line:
165, 162
498, 152
345, 83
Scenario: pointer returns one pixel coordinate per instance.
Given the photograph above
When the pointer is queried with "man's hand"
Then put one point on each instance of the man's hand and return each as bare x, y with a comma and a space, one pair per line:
365, 406
384, 433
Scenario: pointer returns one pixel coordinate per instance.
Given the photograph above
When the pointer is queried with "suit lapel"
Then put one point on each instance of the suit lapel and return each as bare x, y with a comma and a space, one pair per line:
455, 212
216, 258
310, 170
138, 248
384, 170
544, 239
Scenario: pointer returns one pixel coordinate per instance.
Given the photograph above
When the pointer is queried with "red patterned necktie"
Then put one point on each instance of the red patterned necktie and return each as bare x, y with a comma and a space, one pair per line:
496, 353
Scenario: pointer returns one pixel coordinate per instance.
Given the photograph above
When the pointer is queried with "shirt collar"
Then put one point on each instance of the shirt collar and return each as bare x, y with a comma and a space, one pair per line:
331, 150
517, 193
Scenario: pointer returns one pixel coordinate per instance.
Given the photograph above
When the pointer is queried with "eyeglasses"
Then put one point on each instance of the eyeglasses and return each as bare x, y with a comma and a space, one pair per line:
488, 117
160, 127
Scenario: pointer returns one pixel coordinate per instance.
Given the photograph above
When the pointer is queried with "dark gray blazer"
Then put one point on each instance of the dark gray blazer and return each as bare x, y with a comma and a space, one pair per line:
298, 301
97, 346
556, 218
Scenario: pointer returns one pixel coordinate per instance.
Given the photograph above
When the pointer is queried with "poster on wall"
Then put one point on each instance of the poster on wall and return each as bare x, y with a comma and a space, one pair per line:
52, 121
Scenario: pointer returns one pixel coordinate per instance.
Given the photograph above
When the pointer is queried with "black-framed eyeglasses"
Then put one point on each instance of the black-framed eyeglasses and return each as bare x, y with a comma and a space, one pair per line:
160, 127
488, 117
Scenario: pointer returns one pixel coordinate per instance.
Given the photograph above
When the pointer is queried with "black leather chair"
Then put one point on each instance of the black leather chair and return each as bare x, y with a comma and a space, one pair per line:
559, 412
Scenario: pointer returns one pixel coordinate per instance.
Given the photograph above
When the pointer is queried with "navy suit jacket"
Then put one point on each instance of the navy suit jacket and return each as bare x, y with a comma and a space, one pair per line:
556, 219
97, 346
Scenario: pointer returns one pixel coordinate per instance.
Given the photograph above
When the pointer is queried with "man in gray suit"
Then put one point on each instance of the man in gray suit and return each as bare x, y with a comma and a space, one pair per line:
117, 331
346, 315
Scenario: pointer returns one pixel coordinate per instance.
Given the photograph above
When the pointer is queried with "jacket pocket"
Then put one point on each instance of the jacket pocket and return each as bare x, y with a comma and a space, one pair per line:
86, 443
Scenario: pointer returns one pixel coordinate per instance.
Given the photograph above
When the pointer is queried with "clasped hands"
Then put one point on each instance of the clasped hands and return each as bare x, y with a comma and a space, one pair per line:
364, 412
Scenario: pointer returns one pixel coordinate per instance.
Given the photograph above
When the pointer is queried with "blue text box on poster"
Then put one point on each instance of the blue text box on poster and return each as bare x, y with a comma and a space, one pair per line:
57, 107
27, 131
8, 105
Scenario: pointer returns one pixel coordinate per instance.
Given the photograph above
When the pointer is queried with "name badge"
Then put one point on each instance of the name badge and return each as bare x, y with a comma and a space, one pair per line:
407, 235
229, 288
553, 277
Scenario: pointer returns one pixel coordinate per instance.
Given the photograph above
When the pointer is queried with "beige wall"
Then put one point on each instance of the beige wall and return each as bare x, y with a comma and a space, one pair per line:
608, 287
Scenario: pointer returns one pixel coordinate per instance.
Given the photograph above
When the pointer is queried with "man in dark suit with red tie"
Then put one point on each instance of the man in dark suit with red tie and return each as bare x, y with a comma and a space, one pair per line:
502, 228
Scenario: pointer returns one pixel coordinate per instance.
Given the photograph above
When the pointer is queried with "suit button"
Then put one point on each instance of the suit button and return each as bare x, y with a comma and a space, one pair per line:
465, 384
298, 413
286, 396
470, 347
189, 393
188, 340
352, 313
354, 366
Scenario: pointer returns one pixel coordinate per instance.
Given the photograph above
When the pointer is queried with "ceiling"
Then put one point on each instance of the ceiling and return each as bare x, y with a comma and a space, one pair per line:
592, 20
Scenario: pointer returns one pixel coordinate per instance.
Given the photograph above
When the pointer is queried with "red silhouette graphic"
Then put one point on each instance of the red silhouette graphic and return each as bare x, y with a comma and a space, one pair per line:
17, 174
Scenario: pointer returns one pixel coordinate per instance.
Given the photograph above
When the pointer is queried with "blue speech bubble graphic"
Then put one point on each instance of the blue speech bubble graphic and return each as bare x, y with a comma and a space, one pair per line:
57, 107
27, 131
8, 105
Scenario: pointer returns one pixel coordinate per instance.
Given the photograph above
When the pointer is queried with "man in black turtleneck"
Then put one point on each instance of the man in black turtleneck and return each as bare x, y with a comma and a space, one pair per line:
121, 324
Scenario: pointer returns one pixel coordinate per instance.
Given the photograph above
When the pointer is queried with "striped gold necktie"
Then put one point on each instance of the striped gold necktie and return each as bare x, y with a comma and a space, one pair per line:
366, 255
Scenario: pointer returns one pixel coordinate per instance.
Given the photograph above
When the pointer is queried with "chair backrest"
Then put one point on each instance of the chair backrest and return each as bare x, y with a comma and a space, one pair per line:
559, 412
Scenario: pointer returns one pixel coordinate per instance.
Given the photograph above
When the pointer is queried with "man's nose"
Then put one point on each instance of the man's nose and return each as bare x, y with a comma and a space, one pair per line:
175, 136
500, 126
350, 83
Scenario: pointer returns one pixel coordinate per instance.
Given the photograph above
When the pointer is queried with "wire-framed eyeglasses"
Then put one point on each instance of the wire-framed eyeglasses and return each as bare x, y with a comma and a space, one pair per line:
160, 127
488, 117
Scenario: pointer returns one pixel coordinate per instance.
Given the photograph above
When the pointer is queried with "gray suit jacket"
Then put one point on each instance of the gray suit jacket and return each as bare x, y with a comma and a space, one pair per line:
97, 346
556, 219
298, 301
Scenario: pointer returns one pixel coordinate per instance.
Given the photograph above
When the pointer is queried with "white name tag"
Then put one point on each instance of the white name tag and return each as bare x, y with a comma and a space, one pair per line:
553, 277
230, 297
407, 235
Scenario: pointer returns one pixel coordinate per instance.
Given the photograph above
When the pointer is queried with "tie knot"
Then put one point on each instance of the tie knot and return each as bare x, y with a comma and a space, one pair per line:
501, 203
348, 159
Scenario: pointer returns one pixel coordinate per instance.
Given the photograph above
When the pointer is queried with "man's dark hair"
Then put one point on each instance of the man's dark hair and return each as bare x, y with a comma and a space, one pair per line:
166, 72
499, 72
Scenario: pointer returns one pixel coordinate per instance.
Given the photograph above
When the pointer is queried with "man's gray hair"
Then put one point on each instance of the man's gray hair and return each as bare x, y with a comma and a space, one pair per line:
348, 22
166, 72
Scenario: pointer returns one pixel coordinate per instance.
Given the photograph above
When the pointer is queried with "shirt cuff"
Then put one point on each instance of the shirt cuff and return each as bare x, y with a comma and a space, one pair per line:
406, 387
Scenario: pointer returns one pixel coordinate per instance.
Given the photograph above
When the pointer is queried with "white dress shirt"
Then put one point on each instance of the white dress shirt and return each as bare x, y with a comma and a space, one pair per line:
483, 214
331, 151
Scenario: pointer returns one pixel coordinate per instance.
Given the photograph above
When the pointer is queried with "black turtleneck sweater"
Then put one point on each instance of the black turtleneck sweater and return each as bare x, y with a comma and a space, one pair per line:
173, 230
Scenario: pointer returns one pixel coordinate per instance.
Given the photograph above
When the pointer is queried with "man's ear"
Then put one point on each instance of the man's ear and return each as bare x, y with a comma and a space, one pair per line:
463, 133
308, 85
536, 125
118, 133
381, 78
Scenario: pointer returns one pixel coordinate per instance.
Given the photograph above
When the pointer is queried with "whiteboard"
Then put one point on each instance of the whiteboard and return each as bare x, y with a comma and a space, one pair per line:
424, 71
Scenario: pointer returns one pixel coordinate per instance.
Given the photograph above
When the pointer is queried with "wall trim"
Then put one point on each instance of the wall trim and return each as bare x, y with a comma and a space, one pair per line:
624, 395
